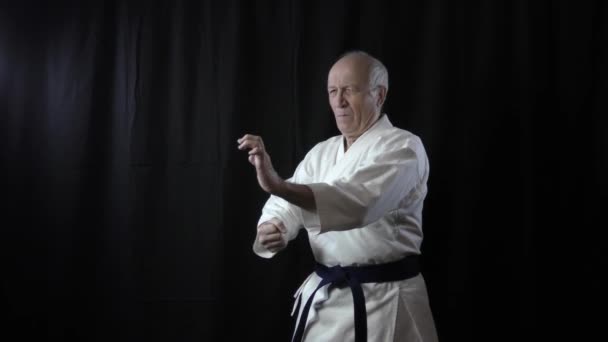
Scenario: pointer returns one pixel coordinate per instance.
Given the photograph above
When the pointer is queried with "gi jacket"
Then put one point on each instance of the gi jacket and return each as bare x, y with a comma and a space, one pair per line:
369, 202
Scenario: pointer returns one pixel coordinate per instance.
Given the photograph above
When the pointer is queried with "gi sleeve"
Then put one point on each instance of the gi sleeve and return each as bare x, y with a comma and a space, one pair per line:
286, 212
381, 181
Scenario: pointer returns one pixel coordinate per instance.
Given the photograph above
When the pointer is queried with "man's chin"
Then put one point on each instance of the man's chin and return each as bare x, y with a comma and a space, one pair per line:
344, 121
344, 129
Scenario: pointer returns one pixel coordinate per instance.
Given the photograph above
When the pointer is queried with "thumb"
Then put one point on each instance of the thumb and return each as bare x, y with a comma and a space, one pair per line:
280, 226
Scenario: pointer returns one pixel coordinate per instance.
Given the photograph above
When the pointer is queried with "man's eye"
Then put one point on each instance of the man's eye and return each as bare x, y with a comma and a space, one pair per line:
332, 91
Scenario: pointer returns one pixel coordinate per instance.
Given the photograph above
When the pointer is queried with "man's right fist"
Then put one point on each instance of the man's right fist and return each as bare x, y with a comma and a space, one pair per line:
271, 235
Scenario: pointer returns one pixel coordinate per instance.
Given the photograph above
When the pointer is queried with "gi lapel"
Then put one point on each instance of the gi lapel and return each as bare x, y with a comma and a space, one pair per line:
357, 149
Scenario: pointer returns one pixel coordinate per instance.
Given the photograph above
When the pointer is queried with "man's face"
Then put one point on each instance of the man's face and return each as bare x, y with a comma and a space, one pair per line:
351, 99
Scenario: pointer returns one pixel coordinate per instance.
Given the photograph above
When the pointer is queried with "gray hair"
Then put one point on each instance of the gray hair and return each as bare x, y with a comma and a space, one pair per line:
378, 74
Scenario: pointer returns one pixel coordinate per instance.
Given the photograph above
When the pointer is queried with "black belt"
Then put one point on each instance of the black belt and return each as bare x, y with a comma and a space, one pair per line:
354, 276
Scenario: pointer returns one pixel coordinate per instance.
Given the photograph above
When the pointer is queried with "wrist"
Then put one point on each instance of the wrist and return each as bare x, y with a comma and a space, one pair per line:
280, 188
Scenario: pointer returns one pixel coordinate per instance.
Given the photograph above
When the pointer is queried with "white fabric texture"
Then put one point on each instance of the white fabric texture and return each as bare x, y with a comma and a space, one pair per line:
369, 203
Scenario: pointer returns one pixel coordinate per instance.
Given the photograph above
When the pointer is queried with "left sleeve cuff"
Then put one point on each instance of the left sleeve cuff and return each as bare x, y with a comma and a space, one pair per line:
312, 220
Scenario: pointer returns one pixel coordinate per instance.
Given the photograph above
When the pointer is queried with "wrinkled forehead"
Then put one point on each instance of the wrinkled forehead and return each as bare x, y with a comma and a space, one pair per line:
349, 71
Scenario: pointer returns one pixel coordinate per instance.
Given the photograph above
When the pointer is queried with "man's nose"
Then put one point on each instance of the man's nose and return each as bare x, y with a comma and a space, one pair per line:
341, 100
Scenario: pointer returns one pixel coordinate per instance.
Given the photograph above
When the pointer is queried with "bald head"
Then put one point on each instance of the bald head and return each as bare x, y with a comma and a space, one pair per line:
357, 85
371, 66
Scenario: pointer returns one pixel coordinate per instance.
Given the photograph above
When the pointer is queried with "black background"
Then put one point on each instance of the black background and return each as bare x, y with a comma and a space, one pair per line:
129, 214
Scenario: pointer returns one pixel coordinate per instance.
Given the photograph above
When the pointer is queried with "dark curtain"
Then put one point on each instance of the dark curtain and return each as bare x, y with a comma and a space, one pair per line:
128, 214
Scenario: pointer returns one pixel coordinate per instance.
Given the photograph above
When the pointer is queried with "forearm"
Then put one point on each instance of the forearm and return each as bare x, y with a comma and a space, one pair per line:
296, 194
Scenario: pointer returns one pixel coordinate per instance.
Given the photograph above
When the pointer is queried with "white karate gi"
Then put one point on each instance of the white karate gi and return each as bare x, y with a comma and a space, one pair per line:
369, 211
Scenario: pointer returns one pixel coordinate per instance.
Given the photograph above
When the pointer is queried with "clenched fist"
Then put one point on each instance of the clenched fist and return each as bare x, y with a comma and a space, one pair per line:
271, 235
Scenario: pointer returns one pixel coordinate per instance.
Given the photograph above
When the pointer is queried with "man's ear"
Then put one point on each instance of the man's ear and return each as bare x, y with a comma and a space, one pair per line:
381, 97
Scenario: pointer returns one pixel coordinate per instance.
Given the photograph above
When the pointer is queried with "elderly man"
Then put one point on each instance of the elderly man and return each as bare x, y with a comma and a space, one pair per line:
360, 198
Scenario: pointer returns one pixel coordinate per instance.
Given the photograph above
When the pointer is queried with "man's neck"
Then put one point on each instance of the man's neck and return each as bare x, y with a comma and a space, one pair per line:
349, 140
